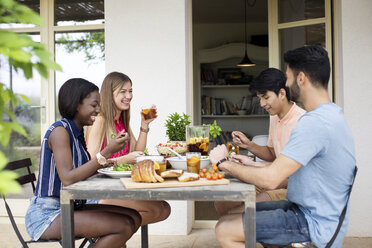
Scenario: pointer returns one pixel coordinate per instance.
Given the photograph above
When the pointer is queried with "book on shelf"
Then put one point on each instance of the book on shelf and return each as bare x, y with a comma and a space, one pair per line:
207, 76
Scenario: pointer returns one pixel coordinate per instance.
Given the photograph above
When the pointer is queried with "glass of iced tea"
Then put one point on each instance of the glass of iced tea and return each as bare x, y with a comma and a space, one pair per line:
232, 148
162, 166
193, 162
197, 139
149, 112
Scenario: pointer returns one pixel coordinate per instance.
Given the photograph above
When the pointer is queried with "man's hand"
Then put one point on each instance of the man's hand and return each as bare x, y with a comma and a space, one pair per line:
218, 153
243, 159
240, 139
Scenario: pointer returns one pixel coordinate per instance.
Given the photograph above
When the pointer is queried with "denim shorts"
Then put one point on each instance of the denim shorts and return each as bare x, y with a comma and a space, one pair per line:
280, 223
40, 214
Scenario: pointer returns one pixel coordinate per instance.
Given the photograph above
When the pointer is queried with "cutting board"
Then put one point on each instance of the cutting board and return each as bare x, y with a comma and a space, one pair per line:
129, 184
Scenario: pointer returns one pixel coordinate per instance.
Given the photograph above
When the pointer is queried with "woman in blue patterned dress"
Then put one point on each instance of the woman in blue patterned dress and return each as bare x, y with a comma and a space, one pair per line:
64, 160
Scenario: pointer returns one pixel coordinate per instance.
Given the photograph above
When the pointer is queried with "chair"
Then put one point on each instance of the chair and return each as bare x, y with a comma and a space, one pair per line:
31, 178
259, 140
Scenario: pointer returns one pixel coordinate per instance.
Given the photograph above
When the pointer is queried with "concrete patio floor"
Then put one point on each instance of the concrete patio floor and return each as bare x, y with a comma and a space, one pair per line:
198, 238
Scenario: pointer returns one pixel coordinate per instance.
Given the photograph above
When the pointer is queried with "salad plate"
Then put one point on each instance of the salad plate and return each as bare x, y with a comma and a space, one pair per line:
114, 174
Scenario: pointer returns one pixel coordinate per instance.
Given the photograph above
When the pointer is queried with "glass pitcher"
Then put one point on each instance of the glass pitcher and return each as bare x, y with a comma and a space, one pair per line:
197, 139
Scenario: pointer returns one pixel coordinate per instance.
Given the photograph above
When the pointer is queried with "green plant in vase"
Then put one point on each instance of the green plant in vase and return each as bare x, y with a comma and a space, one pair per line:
214, 132
214, 129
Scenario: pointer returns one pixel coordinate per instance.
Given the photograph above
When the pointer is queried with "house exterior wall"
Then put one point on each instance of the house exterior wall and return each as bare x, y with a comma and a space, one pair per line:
355, 96
147, 40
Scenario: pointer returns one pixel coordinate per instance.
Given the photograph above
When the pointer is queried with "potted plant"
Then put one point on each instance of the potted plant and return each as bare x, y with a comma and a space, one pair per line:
214, 132
176, 126
176, 132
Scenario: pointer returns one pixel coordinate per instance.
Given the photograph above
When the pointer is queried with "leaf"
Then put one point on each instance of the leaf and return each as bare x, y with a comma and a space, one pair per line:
3, 160
5, 131
42, 69
8, 184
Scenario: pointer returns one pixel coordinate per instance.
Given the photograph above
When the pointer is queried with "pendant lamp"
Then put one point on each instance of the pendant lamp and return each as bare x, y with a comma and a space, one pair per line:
246, 61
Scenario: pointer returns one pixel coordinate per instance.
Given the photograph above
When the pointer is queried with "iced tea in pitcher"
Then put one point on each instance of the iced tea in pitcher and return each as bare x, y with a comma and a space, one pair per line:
197, 139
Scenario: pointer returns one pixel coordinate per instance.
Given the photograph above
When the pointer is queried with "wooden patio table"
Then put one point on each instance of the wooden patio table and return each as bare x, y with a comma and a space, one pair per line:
102, 187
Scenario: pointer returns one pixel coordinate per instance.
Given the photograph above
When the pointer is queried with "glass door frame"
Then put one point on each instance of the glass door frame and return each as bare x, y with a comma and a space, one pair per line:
47, 37
274, 27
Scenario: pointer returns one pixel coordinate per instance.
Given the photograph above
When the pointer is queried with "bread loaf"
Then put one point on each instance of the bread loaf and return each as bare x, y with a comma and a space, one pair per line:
144, 171
187, 176
171, 173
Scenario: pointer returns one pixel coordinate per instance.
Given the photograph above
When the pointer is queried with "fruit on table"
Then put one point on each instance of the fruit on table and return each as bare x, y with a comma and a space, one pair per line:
198, 144
212, 173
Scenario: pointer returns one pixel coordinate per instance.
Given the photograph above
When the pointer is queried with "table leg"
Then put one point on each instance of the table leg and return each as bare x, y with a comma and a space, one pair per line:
144, 236
67, 220
250, 224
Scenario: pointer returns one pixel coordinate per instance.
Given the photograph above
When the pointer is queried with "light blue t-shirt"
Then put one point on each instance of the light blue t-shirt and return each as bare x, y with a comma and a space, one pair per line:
322, 143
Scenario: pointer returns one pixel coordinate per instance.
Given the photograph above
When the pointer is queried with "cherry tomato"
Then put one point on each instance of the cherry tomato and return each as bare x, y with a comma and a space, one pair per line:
208, 176
221, 175
215, 169
215, 177
201, 174
204, 170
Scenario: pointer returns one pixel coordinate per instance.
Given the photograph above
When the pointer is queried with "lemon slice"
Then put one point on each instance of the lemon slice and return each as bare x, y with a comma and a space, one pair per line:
157, 166
145, 111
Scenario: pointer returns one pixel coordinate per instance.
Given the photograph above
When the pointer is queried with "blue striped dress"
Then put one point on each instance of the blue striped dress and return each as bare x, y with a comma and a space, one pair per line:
49, 183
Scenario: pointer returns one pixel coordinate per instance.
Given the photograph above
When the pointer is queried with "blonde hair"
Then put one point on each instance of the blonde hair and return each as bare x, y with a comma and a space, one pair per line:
112, 82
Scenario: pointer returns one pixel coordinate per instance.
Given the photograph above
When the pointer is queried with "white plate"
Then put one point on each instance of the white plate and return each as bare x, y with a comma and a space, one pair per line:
114, 174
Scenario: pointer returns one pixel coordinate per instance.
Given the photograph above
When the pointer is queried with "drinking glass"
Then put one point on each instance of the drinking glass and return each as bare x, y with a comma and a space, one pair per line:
232, 148
197, 139
193, 162
149, 112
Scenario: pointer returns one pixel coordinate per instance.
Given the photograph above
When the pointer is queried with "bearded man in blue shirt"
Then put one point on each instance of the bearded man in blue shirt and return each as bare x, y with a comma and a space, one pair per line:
319, 160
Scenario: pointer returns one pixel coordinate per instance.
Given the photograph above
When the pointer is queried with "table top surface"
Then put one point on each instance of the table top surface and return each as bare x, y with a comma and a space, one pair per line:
102, 187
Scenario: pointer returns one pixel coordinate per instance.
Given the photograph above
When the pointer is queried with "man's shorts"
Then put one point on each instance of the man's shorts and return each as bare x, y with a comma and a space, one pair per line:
275, 195
280, 223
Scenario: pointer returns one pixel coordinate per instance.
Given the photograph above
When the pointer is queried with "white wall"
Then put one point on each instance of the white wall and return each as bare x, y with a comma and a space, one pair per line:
147, 40
356, 97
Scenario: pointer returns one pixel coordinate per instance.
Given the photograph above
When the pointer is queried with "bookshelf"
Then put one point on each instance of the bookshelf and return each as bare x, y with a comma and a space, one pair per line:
217, 97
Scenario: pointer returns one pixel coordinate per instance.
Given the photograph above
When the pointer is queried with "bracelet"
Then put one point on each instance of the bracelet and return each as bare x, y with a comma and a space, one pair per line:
145, 130
222, 160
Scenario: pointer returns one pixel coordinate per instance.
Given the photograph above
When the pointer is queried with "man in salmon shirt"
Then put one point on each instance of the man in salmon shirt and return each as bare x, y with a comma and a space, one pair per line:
284, 114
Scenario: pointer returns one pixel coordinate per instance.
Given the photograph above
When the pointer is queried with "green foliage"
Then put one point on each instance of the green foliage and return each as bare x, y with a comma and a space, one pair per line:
8, 184
85, 44
13, 12
22, 54
176, 126
214, 129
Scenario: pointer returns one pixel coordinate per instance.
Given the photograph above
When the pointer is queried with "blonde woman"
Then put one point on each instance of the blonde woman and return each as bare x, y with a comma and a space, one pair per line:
116, 95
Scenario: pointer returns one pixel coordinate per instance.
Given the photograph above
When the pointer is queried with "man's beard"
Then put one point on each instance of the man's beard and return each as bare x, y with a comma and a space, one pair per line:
294, 90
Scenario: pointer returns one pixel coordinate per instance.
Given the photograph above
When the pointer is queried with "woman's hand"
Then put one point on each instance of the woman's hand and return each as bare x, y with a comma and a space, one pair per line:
131, 158
145, 123
118, 142
240, 139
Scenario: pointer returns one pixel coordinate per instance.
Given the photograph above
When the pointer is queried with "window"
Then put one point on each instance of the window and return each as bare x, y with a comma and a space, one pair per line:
75, 35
